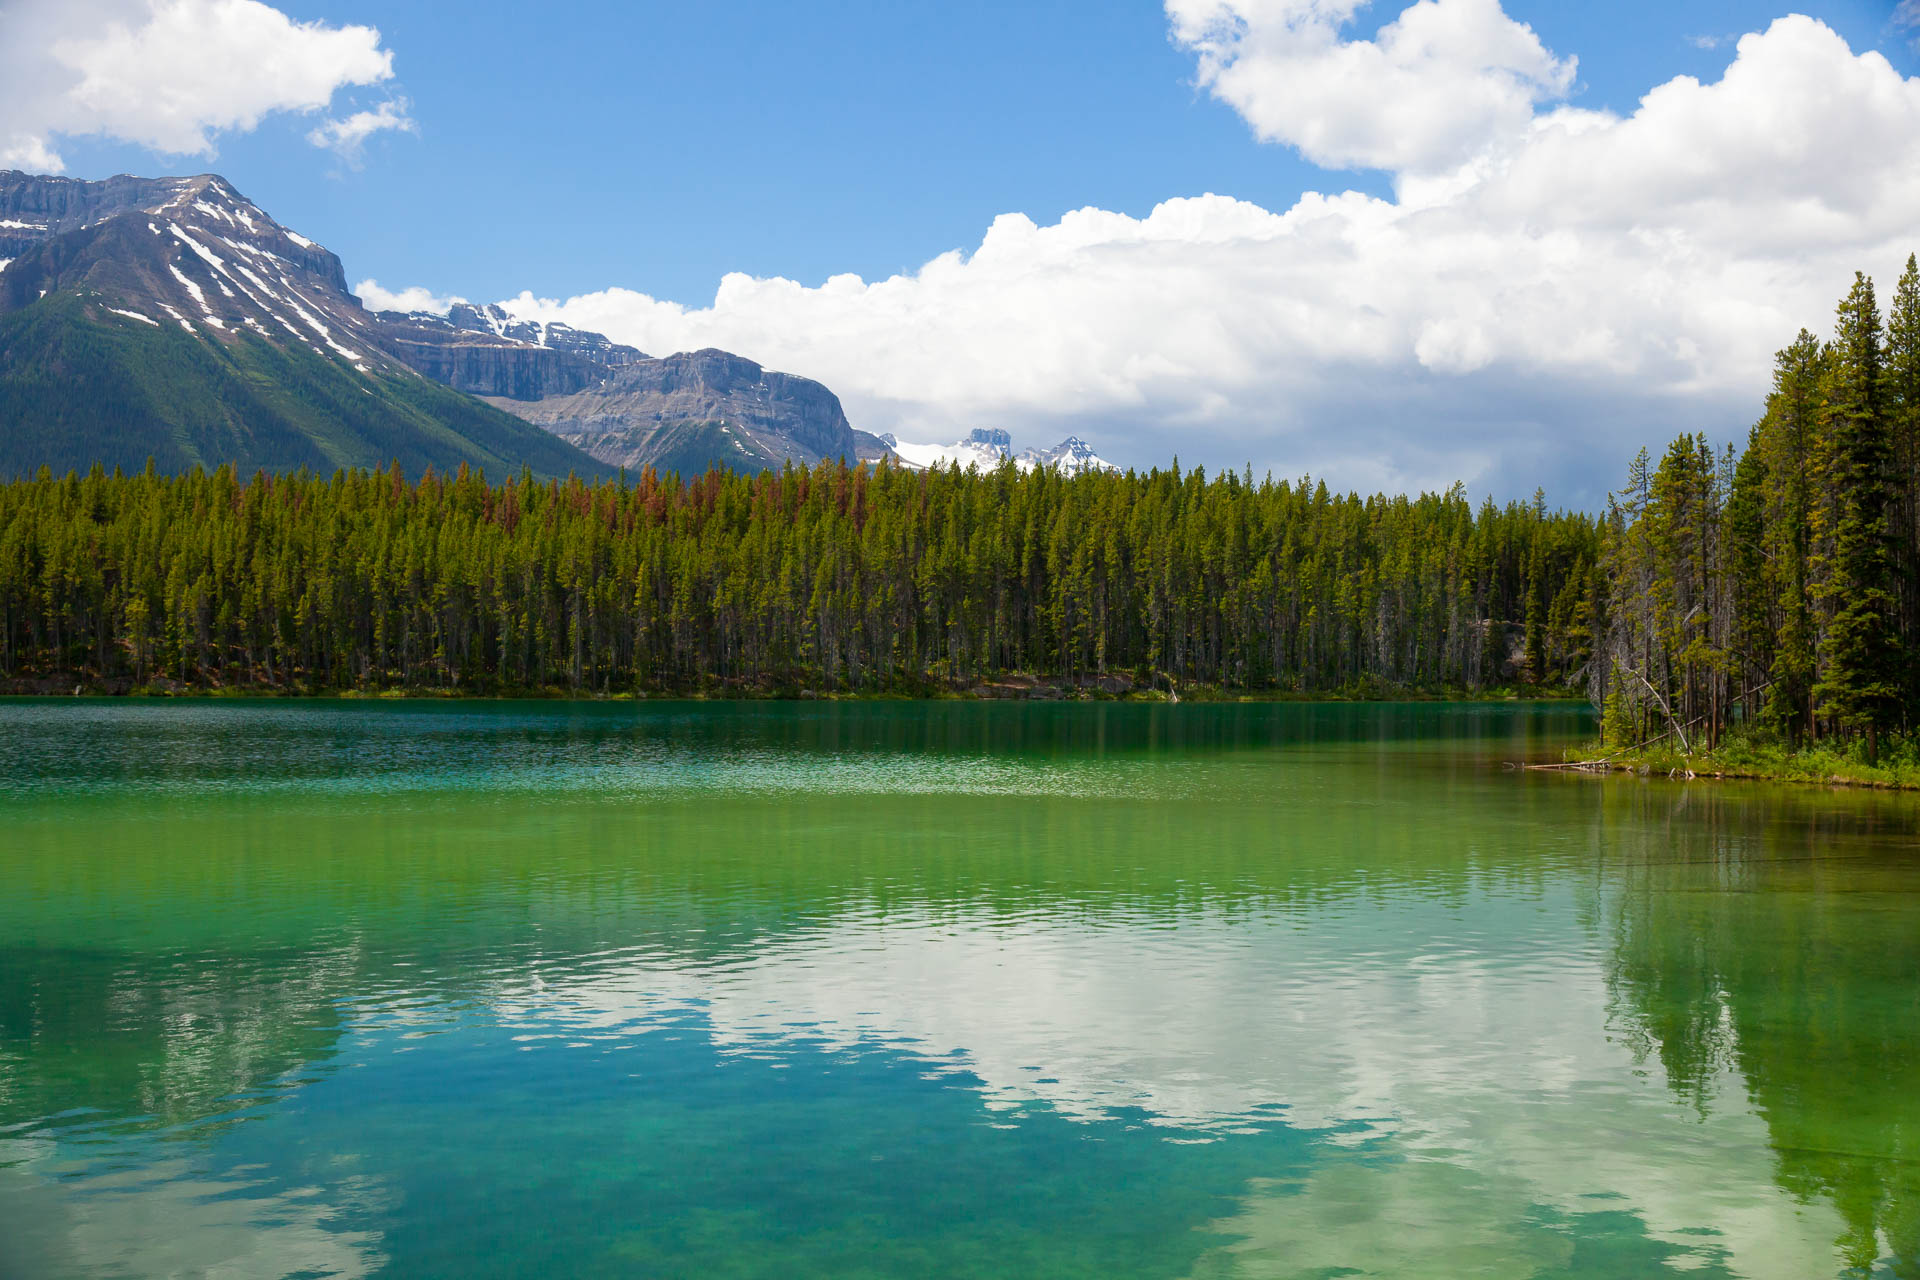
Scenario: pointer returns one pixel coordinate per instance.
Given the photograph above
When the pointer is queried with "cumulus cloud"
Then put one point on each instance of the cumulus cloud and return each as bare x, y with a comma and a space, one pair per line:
1579, 285
1429, 91
347, 137
415, 298
165, 74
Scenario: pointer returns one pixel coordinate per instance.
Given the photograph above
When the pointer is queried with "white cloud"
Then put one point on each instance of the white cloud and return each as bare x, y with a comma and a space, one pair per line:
1429, 91
1708, 43
415, 298
348, 137
165, 74
1579, 287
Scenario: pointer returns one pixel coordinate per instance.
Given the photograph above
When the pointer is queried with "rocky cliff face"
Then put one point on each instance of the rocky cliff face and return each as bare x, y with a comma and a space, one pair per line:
494, 319
483, 351
483, 364
639, 414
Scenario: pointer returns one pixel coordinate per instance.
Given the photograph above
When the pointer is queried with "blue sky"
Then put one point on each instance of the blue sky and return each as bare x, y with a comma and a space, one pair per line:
1435, 250
564, 147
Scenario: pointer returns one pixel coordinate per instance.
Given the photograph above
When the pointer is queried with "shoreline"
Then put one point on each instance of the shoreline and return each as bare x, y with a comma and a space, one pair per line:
1818, 768
1007, 689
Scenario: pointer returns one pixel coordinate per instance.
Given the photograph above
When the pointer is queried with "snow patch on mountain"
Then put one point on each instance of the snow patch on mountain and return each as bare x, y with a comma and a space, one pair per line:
986, 448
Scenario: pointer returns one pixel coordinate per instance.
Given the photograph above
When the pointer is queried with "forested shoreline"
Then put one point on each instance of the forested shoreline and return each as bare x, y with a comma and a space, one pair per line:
1769, 590
834, 578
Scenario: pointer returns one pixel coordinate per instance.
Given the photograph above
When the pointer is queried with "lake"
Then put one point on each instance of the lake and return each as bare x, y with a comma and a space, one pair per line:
949, 989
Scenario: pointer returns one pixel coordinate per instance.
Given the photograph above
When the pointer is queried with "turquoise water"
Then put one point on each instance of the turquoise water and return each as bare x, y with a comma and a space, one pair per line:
937, 989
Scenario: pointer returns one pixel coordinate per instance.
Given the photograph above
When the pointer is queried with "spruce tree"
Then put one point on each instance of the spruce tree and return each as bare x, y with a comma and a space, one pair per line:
1789, 438
1901, 404
1862, 681
1744, 557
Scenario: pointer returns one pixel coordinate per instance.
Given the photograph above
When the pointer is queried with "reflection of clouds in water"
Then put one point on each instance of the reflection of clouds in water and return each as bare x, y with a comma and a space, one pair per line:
173, 1218
1492, 1075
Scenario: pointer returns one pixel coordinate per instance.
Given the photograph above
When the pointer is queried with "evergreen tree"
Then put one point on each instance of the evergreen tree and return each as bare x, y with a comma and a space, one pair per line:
1789, 441
1862, 678
1901, 404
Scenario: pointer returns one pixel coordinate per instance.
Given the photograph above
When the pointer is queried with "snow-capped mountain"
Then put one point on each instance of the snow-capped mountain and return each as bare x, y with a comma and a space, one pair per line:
172, 319
191, 252
1070, 457
986, 448
178, 305
983, 449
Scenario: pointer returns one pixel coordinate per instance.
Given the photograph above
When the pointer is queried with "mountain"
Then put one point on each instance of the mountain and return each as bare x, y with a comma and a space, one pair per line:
172, 319
1070, 457
986, 448
682, 413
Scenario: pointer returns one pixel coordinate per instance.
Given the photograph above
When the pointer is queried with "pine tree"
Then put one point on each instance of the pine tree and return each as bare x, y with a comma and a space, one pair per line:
1753, 606
1862, 680
1789, 441
1901, 404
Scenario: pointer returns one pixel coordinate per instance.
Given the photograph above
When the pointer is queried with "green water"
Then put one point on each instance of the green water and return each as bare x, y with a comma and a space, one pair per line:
937, 990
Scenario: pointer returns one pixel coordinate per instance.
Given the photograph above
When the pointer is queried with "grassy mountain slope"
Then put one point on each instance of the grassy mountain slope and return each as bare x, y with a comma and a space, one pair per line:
81, 384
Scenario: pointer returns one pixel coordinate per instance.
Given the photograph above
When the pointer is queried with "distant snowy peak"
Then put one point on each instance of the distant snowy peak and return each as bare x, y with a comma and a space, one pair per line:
1070, 457
985, 449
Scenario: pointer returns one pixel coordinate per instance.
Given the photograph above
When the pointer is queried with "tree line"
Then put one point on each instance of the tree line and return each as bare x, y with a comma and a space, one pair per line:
1778, 586
833, 577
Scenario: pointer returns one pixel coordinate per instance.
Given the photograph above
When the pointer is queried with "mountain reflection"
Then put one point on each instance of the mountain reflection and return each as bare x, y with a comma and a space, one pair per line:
1277, 992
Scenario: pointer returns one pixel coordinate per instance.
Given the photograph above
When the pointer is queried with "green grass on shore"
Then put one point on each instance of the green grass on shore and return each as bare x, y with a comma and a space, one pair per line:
1750, 754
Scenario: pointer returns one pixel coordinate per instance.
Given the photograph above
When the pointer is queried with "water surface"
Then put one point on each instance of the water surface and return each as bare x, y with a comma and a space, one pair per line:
937, 989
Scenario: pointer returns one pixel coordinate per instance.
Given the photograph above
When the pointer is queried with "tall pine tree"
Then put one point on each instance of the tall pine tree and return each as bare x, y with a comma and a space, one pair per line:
1901, 404
1863, 676
1789, 439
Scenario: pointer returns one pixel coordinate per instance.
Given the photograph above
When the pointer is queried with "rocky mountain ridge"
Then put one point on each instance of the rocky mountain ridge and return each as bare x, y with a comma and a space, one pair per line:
683, 412
650, 410
485, 352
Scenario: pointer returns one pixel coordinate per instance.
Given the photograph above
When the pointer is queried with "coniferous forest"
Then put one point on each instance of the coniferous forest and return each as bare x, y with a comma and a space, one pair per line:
837, 577
1775, 587
1772, 586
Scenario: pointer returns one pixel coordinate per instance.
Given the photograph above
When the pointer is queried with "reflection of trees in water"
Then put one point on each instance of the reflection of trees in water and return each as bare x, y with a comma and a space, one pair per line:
1773, 934
170, 1040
